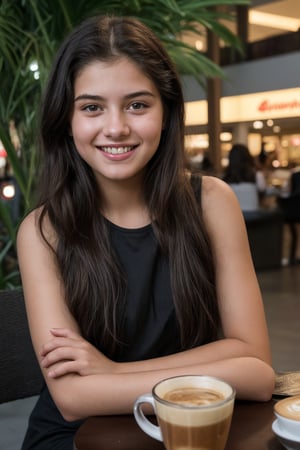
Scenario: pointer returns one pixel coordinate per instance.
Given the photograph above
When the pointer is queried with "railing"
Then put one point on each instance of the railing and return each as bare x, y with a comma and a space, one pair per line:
274, 46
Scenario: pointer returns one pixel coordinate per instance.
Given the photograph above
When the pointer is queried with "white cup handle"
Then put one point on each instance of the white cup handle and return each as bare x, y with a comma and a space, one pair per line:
145, 424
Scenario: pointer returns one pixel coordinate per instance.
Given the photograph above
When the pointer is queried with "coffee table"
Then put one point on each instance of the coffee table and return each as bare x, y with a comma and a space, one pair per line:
251, 429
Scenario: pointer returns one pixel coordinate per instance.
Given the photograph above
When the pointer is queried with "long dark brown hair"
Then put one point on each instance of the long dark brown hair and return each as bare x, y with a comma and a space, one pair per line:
71, 199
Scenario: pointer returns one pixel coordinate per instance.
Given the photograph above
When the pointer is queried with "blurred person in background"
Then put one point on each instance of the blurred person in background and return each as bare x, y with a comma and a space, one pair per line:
248, 183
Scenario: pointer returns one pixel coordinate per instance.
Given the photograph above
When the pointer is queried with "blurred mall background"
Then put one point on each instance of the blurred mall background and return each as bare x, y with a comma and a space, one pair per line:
258, 101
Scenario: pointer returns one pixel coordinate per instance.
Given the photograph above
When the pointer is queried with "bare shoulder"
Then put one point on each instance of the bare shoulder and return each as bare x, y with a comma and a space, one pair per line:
35, 249
221, 209
217, 193
29, 230
37, 261
29, 222
214, 185
226, 227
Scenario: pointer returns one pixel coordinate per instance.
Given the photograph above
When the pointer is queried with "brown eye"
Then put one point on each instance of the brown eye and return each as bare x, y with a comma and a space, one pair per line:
136, 106
91, 108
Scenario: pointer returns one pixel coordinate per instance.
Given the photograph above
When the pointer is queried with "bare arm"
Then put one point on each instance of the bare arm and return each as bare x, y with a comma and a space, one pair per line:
95, 385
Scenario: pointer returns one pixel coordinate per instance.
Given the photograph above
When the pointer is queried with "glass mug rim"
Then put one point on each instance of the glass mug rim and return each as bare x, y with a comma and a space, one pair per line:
208, 406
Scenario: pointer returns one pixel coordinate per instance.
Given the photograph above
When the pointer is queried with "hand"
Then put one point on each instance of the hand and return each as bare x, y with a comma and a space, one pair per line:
67, 352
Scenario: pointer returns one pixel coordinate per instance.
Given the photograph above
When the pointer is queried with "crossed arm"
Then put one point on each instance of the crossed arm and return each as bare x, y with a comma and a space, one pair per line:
83, 382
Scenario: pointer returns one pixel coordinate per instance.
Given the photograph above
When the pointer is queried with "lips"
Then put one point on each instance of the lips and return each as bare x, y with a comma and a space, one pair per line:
120, 150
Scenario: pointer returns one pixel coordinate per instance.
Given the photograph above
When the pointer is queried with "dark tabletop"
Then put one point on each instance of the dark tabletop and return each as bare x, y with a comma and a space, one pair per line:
251, 429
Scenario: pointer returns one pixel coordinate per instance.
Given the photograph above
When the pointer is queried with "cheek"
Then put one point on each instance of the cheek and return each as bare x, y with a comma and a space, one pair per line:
153, 129
81, 131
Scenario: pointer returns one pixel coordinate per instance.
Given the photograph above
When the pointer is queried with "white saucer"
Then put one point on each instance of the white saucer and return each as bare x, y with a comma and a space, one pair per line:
288, 441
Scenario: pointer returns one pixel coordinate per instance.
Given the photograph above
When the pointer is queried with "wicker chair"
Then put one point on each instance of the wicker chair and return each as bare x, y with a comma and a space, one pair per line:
287, 383
20, 374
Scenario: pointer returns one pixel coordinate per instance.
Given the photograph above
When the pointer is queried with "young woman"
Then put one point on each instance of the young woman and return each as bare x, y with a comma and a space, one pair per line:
132, 272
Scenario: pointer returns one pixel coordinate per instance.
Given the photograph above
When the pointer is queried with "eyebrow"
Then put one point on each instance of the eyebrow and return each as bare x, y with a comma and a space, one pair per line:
126, 97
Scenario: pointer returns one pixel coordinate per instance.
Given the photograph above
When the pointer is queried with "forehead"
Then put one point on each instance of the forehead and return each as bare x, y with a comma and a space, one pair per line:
116, 75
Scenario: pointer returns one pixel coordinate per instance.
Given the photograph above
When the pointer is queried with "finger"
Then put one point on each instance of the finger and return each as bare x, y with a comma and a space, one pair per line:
56, 343
63, 337
59, 355
62, 369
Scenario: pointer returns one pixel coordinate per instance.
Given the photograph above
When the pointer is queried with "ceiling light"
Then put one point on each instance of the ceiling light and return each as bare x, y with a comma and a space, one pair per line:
273, 21
225, 136
199, 45
258, 125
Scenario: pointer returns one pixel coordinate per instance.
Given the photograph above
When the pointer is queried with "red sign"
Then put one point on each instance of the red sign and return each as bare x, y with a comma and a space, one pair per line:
267, 106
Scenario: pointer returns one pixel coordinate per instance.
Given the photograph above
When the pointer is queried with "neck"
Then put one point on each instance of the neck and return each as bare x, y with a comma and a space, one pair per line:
124, 204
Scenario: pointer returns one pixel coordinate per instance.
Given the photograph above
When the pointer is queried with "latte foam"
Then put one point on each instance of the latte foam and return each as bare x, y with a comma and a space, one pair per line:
193, 396
289, 407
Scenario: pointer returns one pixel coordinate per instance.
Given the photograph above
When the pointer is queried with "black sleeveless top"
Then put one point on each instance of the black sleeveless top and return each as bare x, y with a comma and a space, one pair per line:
150, 324
150, 327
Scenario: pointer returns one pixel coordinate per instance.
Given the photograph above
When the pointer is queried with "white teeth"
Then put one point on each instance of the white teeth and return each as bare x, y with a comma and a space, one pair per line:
116, 150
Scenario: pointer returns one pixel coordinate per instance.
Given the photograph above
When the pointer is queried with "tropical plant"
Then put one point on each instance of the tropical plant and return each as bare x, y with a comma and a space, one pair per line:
30, 33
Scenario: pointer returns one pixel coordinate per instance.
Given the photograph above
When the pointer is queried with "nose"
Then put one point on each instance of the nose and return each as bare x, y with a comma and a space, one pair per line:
116, 124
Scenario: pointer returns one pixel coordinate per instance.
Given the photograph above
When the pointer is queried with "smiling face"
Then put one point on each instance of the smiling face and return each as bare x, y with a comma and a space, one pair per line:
117, 119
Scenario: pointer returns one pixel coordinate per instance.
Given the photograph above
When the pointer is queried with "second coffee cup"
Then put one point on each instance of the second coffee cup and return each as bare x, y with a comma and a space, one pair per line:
193, 412
287, 412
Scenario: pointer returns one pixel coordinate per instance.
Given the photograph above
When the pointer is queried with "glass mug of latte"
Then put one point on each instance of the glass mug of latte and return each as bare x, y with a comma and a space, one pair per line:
193, 412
